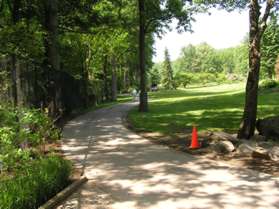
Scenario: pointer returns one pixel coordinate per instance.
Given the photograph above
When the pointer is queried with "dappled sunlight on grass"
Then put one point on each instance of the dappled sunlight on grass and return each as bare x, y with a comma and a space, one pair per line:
181, 94
211, 108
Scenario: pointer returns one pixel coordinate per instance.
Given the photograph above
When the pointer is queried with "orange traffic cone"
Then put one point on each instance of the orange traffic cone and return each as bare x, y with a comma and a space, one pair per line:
194, 143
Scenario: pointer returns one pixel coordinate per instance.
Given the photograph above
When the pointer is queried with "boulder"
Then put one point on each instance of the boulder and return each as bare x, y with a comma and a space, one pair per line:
274, 153
262, 153
245, 149
222, 136
257, 137
266, 144
205, 134
223, 147
269, 127
234, 135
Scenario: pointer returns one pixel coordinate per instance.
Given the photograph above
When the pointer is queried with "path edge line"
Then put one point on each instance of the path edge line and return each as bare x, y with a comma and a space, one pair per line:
64, 194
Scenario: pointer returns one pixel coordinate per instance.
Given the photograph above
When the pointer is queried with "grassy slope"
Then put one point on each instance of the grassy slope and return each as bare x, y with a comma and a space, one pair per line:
211, 108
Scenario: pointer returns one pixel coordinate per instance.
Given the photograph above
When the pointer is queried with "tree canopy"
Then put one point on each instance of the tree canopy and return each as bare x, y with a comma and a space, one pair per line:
104, 47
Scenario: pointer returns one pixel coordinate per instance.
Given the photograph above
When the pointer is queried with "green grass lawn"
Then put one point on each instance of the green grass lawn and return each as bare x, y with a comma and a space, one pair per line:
213, 108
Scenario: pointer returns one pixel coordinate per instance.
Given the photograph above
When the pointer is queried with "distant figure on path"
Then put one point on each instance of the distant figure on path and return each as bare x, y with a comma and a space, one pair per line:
135, 95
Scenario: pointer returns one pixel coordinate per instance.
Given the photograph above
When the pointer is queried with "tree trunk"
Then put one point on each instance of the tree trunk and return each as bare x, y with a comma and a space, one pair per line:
114, 81
15, 74
277, 68
247, 127
14, 80
125, 79
52, 64
85, 76
19, 82
51, 24
105, 73
85, 81
143, 106
270, 73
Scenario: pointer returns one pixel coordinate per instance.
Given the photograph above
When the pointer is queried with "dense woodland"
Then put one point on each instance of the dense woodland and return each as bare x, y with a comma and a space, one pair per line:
62, 55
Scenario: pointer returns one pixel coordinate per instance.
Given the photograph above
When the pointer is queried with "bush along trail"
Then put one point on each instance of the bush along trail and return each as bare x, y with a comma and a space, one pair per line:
30, 171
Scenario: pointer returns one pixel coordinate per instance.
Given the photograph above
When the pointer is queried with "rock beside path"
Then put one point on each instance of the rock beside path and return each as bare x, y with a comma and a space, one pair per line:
260, 152
263, 150
269, 127
224, 147
222, 136
245, 149
274, 153
225, 143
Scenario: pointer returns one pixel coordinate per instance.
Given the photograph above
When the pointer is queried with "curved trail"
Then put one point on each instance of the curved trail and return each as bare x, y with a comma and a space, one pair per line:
127, 171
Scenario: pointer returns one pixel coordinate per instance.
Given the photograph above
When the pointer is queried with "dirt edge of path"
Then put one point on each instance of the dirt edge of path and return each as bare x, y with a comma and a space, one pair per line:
181, 141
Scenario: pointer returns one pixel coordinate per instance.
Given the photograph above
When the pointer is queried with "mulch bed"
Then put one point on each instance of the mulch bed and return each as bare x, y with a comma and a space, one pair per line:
181, 142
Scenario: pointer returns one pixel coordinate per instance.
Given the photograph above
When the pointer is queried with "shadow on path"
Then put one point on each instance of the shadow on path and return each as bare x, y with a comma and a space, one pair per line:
127, 171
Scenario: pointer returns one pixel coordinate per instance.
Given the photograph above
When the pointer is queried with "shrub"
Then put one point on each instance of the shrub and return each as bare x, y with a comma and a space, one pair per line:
182, 79
32, 125
221, 78
20, 130
28, 177
36, 183
268, 84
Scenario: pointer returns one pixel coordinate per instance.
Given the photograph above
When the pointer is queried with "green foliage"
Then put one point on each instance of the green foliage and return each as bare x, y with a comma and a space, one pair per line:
204, 58
268, 84
154, 75
27, 177
240, 58
187, 61
160, 13
167, 79
24, 39
185, 79
35, 184
224, 4
203, 64
20, 130
270, 48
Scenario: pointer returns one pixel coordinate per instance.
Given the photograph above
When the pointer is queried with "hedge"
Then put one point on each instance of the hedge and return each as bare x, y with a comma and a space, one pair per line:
35, 184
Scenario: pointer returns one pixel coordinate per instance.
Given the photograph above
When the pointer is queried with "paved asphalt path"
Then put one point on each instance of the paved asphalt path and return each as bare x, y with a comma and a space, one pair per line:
127, 171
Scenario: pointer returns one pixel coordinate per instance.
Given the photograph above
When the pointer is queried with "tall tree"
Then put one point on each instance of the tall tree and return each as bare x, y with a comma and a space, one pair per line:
258, 24
167, 73
270, 48
188, 58
52, 62
15, 10
257, 28
143, 106
154, 17
154, 75
19, 40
